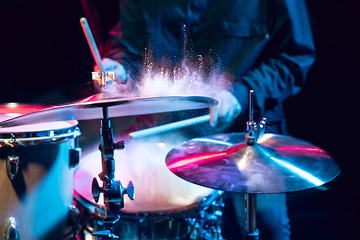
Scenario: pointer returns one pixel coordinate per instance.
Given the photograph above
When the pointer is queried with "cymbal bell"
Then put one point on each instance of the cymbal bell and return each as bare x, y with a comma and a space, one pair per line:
275, 164
91, 108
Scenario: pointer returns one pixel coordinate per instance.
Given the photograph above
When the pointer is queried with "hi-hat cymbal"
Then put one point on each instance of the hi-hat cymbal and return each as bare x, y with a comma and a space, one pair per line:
91, 108
275, 164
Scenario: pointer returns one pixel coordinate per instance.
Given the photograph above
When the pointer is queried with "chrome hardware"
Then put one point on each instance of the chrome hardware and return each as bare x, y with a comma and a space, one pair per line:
11, 229
255, 130
102, 78
73, 221
12, 166
73, 215
74, 157
115, 189
206, 224
75, 152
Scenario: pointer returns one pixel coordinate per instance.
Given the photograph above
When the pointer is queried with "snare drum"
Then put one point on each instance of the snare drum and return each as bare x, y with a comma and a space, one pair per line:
36, 179
165, 206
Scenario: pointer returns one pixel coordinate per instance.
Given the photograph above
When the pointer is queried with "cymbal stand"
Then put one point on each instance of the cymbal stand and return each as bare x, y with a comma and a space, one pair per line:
112, 190
255, 131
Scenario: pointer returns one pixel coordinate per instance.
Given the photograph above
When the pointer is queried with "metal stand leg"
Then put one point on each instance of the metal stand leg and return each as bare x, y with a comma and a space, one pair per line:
251, 233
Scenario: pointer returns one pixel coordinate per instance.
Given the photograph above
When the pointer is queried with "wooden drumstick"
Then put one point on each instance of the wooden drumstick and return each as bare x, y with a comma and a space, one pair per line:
92, 44
169, 127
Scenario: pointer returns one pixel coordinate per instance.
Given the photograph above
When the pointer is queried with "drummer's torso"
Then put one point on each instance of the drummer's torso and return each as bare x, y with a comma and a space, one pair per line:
231, 27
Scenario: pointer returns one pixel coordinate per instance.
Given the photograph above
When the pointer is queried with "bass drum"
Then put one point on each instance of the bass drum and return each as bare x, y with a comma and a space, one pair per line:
36, 177
165, 206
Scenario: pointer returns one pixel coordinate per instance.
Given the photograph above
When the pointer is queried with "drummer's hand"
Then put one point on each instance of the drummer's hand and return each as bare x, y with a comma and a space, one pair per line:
227, 109
110, 65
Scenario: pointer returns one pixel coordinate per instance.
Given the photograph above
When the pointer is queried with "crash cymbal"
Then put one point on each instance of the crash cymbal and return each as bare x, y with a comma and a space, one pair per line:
91, 108
275, 164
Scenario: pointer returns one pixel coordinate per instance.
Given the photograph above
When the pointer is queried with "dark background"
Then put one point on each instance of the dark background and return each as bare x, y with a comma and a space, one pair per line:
44, 58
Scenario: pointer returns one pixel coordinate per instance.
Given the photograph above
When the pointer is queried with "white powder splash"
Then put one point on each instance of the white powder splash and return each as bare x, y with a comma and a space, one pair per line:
193, 76
185, 80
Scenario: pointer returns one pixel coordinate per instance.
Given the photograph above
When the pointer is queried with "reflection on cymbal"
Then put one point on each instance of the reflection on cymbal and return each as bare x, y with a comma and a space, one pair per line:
276, 164
12, 109
91, 108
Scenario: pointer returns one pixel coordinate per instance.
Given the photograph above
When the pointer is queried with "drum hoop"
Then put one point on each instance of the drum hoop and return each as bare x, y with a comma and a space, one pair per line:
90, 206
41, 136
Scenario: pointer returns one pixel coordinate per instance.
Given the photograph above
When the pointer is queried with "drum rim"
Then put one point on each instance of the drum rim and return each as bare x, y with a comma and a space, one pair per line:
40, 136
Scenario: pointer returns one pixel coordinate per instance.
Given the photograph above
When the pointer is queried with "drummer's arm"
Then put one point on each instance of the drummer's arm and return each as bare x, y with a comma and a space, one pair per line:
128, 44
285, 61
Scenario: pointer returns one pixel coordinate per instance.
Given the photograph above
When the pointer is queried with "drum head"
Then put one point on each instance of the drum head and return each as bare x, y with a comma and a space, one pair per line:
143, 163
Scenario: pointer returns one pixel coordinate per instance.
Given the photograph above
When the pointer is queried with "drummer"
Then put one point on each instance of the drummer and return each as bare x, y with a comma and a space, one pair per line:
262, 45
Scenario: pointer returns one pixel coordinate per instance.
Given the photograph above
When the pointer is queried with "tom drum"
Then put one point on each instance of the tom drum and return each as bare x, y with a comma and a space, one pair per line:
36, 179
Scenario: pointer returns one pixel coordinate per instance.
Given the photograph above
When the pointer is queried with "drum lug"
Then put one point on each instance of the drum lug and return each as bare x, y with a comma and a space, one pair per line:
74, 157
73, 218
73, 221
11, 229
12, 166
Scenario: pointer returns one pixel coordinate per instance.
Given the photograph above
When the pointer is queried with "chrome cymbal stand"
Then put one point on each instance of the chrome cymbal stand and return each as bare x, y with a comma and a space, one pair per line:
112, 190
255, 131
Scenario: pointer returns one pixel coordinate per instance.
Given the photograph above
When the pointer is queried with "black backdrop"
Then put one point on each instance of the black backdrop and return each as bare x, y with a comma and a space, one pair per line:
43, 51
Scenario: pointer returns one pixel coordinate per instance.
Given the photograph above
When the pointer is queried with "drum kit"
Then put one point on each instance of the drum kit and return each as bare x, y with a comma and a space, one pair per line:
50, 192
39, 150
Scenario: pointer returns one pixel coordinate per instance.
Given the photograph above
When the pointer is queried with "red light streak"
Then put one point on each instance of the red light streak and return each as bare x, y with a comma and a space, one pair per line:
202, 157
20, 109
304, 149
197, 159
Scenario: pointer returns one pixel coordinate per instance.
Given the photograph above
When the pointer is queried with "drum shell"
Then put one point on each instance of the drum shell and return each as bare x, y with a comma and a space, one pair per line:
41, 193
